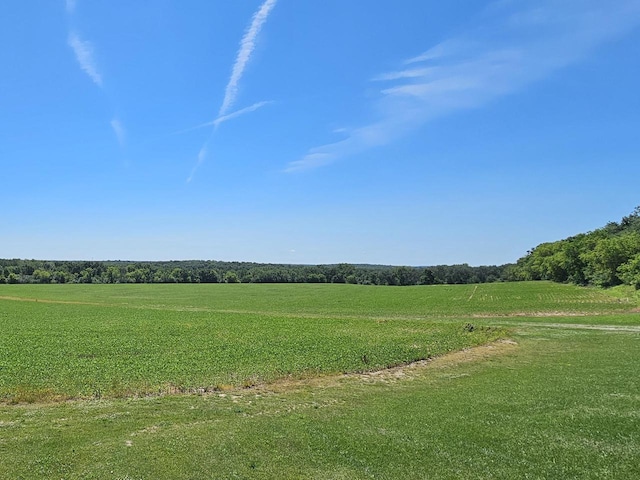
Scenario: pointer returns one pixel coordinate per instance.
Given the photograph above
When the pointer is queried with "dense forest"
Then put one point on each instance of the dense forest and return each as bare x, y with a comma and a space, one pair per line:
195, 271
605, 257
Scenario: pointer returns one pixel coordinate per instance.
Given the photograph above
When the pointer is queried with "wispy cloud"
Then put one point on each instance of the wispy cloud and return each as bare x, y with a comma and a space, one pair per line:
84, 54
83, 50
215, 123
71, 6
247, 46
513, 48
119, 131
237, 113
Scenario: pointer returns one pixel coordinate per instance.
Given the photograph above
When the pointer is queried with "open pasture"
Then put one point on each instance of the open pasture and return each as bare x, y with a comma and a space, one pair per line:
554, 394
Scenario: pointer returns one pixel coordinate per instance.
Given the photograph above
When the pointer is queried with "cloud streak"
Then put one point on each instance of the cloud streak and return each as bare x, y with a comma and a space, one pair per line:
247, 45
71, 6
84, 55
119, 131
513, 48
202, 154
215, 123
237, 113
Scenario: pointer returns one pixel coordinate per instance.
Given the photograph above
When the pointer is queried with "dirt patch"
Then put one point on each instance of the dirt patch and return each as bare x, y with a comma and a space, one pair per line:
582, 326
40, 300
393, 374
472, 293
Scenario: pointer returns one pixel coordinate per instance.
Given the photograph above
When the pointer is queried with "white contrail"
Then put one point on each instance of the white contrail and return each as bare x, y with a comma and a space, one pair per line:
201, 156
84, 55
219, 120
242, 111
247, 45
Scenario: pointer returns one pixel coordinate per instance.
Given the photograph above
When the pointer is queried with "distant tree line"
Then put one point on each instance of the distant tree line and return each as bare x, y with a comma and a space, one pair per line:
605, 257
41, 271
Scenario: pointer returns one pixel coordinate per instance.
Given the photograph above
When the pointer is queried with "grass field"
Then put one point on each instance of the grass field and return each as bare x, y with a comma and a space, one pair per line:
553, 393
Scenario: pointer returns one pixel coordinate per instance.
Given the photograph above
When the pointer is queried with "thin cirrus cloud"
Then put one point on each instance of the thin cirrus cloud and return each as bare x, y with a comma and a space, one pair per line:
119, 131
84, 55
71, 6
514, 48
247, 45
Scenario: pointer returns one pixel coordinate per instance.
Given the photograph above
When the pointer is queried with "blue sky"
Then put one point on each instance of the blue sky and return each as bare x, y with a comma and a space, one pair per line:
408, 133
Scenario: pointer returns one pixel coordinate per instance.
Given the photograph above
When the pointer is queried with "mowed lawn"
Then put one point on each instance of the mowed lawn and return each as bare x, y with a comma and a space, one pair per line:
542, 400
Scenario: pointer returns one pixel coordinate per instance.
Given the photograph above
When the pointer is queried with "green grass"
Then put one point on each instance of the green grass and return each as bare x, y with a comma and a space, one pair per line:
62, 350
561, 402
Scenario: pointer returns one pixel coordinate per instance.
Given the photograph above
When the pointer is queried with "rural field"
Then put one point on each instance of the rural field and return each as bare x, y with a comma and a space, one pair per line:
503, 380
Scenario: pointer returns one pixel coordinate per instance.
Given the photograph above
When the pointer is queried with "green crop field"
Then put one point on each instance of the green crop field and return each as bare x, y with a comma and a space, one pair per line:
318, 300
518, 380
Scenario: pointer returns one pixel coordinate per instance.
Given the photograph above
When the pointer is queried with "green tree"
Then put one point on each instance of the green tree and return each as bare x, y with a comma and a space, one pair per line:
112, 275
139, 275
180, 275
209, 275
60, 276
405, 276
629, 272
42, 276
340, 272
608, 255
86, 275
231, 277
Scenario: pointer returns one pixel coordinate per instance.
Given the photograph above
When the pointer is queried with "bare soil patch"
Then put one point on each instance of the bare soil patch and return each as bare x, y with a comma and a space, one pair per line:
393, 374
